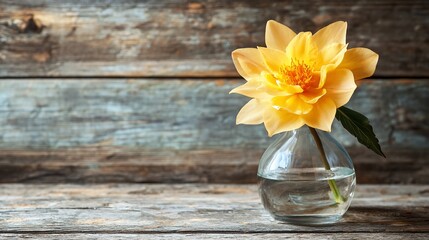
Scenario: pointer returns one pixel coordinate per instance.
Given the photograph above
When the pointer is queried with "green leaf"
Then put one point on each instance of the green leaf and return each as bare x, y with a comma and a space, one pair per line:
358, 125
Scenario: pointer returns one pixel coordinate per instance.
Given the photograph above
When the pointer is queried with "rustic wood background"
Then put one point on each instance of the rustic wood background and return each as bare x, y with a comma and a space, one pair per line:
137, 91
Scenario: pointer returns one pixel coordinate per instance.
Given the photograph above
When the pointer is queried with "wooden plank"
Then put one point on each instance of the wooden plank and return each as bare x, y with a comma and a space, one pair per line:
251, 236
190, 208
100, 165
138, 130
181, 114
182, 38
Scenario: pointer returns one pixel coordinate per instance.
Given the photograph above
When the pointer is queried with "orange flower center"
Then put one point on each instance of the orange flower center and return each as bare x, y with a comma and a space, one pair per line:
297, 74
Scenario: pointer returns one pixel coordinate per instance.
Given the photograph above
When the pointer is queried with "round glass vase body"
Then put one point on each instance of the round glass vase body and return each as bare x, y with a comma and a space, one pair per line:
299, 186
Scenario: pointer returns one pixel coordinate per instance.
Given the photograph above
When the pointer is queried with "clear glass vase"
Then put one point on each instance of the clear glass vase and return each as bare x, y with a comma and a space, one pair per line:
306, 177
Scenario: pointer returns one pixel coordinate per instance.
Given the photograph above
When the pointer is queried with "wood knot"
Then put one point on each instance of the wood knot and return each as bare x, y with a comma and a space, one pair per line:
195, 7
29, 24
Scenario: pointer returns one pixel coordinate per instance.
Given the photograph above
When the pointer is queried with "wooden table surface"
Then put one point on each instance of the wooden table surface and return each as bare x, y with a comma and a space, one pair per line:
200, 211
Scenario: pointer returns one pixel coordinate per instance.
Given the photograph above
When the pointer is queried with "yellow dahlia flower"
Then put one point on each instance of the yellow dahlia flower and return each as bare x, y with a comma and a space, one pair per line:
299, 78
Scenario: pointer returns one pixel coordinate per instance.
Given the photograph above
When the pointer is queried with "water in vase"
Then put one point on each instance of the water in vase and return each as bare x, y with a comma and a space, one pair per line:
304, 195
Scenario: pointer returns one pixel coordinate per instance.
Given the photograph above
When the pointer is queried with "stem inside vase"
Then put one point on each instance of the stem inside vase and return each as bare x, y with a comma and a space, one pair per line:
332, 184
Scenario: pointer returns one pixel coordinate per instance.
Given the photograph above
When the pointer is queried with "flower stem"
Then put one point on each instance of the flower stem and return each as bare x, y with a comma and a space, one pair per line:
331, 182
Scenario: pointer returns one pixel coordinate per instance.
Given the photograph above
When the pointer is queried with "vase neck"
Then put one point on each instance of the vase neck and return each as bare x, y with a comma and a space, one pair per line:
302, 131
305, 131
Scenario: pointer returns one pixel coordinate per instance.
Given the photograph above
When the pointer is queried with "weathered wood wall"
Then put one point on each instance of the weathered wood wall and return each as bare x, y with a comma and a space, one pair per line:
170, 118
192, 38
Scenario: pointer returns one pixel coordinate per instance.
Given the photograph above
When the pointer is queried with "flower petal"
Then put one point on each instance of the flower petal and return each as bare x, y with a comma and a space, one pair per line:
333, 33
275, 87
361, 61
293, 104
277, 121
287, 90
303, 49
340, 86
277, 35
333, 54
313, 95
248, 62
251, 113
251, 89
322, 115
273, 58
323, 72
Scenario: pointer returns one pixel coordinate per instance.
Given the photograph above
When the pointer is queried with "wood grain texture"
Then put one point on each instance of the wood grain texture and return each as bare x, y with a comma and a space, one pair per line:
182, 38
182, 131
99, 165
181, 114
194, 209
204, 236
